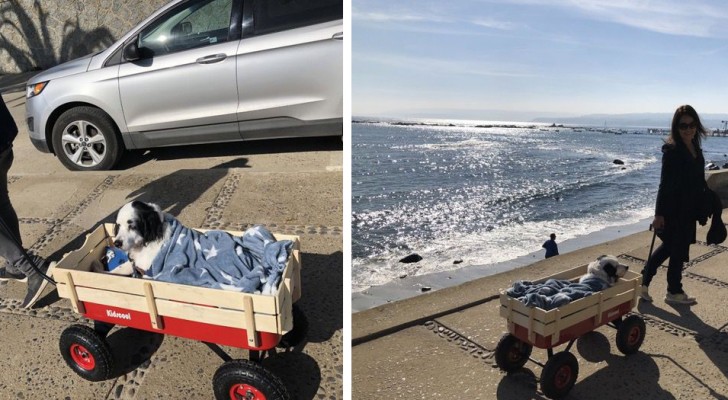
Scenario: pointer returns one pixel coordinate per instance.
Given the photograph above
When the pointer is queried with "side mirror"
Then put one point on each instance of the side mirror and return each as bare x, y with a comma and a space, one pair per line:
131, 51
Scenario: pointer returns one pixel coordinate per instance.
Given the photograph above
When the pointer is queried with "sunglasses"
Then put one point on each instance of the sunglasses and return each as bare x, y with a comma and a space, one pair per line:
683, 126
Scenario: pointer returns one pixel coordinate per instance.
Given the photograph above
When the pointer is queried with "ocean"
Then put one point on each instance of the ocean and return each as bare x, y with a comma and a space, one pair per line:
474, 193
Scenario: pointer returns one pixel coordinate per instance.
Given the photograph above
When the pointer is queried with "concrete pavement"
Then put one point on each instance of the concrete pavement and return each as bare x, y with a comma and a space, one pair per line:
441, 344
291, 186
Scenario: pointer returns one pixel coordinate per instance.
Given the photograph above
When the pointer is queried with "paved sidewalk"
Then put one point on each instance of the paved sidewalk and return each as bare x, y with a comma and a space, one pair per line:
292, 187
441, 344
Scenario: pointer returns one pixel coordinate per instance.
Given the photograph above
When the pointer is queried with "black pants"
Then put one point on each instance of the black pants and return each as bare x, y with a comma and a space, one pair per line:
8, 249
677, 252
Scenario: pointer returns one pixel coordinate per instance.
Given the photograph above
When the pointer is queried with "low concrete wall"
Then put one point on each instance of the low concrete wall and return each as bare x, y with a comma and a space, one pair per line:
718, 182
38, 34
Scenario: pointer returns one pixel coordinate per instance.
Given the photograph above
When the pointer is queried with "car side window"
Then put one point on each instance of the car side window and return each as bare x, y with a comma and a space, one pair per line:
191, 25
278, 15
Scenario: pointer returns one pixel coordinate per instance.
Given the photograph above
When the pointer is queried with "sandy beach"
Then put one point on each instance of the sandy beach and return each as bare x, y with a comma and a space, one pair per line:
412, 286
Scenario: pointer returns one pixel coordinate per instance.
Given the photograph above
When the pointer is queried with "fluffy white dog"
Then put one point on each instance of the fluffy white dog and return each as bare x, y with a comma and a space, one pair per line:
160, 247
606, 268
140, 231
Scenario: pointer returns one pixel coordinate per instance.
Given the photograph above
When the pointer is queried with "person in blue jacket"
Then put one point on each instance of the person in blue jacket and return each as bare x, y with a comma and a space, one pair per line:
551, 248
17, 267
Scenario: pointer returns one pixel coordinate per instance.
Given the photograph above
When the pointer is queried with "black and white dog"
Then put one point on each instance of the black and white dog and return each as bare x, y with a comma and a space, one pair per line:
606, 268
160, 247
140, 230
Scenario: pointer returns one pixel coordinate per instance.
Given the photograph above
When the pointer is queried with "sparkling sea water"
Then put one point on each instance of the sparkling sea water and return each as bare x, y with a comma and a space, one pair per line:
489, 192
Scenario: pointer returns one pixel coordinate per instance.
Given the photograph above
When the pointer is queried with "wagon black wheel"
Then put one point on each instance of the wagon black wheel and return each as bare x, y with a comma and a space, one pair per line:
86, 352
246, 380
511, 353
559, 375
299, 331
630, 334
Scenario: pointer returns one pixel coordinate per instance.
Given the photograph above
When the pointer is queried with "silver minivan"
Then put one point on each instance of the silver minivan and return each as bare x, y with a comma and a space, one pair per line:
196, 71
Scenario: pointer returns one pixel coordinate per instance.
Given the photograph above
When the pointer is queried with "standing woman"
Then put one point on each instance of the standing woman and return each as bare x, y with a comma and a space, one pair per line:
682, 182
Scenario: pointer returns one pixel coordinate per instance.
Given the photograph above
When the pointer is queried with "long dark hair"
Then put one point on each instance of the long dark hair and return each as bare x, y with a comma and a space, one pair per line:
700, 130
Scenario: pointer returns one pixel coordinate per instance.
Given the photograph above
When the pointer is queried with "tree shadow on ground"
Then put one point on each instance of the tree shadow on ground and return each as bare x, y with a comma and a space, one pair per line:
76, 42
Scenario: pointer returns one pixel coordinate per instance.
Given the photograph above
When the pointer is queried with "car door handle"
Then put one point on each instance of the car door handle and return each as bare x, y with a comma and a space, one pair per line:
211, 59
338, 36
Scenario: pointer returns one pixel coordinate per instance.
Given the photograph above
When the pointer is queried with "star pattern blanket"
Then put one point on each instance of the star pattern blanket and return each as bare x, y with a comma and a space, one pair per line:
554, 292
215, 259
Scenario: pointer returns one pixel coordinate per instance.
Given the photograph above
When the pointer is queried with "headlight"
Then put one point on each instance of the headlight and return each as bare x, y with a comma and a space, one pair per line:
35, 89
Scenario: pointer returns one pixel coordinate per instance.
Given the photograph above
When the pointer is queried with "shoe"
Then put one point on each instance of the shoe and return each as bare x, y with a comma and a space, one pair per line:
6, 275
36, 284
645, 294
679, 298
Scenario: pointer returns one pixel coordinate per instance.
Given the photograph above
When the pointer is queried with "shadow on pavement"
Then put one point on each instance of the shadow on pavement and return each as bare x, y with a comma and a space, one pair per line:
139, 157
322, 294
298, 371
132, 348
710, 339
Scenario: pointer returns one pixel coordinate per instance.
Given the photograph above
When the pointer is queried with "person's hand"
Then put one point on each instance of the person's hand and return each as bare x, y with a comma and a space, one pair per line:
658, 223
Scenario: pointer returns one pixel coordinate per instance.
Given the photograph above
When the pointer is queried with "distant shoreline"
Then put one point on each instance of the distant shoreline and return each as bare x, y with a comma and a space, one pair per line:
413, 286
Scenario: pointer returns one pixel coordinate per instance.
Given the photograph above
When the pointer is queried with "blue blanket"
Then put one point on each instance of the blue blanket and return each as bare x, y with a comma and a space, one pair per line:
215, 259
554, 293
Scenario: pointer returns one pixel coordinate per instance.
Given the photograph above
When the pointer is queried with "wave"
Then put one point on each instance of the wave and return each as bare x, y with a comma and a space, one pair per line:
486, 247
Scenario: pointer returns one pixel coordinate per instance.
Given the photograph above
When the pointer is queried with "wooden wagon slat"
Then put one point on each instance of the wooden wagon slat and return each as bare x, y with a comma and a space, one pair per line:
173, 291
625, 284
550, 328
187, 311
152, 306
75, 303
250, 321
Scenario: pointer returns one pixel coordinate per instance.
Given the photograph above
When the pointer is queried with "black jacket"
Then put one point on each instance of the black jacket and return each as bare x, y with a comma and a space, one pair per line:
679, 197
8, 129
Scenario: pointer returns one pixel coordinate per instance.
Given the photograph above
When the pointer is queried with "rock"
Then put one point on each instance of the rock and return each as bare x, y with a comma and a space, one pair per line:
425, 289
412, 258
402, 276
457, 261
618, 162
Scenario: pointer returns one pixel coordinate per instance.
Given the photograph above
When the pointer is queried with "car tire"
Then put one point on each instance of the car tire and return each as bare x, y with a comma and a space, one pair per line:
87, 139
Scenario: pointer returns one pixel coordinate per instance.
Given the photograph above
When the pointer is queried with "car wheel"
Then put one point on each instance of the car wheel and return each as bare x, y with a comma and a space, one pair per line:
86, 139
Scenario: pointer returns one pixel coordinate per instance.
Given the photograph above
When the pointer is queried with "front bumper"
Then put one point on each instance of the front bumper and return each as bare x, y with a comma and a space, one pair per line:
40, 144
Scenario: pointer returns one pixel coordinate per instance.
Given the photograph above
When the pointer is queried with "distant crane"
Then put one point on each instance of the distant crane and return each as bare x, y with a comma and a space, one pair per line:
725, 125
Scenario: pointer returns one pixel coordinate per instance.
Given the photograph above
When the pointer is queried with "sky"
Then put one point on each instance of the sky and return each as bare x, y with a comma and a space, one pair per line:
522, 59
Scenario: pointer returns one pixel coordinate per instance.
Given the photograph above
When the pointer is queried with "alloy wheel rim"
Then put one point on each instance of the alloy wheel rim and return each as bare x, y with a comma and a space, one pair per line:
83, 143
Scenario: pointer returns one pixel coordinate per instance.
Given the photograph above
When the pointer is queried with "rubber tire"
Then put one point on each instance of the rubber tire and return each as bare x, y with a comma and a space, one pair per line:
630, 334
511, 353
248, 373
114, 145
299, 331
97, 348
562, 365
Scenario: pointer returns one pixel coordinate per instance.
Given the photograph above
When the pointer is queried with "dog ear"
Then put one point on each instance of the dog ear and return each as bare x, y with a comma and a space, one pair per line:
610, 269
150, 223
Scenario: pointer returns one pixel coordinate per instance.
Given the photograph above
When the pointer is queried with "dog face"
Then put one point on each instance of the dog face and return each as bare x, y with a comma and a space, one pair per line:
608, 268
137, 224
